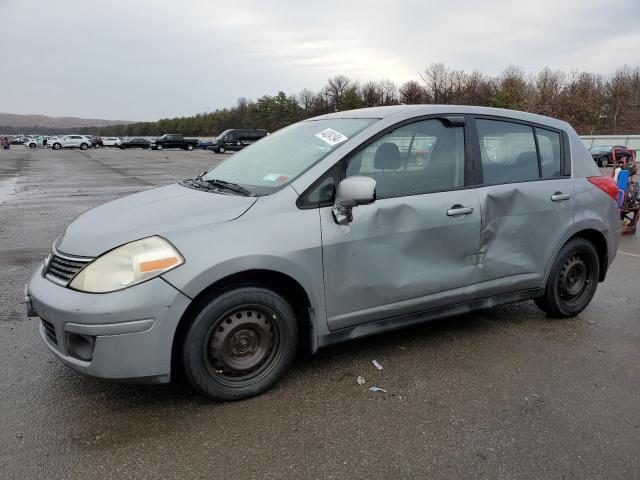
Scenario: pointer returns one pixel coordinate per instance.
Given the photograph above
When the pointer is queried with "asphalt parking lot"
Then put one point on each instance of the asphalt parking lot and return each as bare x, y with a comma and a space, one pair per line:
503, 393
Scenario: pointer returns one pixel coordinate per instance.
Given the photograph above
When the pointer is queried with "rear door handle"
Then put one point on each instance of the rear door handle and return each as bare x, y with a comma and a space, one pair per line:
459, 210
559, 196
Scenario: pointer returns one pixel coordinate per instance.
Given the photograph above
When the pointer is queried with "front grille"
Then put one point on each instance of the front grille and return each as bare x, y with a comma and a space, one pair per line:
50, 332
62, 268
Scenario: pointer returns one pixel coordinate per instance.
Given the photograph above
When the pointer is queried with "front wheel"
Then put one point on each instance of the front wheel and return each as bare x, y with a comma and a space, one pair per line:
604, 161
240, 343
221, 150
32, 145
189, 147
159, 147
57, 146
573, 280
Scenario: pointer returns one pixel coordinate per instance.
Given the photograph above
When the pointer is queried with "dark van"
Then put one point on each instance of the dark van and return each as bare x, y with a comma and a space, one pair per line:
236, 139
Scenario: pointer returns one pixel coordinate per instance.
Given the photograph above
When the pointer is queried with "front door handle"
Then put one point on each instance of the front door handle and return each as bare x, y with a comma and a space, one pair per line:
559, 196
459, 210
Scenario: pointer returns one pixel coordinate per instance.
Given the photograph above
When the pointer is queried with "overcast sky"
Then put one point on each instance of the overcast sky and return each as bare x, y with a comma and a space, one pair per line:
148, 59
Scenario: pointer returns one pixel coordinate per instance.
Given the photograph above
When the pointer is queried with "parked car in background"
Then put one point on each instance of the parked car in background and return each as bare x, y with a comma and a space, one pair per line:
174, 140
601, 154
71, 141
328, 230
33, 142
110, 141
135, 142
204, 144
19, 140
51, 139
93, 139
236, 139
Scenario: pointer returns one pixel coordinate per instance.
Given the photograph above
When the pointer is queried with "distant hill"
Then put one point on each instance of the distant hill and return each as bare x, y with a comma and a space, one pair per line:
13, 123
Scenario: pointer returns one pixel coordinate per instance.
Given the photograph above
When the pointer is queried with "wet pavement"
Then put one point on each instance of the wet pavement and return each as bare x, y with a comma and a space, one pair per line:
502, 393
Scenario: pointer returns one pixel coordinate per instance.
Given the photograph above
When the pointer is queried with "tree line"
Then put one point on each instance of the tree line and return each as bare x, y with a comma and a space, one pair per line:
592, 103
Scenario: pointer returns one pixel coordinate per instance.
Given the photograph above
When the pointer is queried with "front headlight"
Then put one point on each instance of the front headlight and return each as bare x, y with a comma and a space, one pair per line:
128, 265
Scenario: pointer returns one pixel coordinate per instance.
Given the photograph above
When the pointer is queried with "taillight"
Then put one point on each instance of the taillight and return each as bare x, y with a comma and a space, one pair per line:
607, 185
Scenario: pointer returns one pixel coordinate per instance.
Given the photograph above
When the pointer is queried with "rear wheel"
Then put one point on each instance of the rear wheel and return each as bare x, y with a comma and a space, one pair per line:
221, 150
159, 147
240, 343
189, 147
604, 161
84, 146
573, 280
32, 145
57, 146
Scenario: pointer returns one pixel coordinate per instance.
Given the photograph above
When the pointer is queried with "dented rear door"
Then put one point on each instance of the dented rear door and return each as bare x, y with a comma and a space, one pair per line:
529, 207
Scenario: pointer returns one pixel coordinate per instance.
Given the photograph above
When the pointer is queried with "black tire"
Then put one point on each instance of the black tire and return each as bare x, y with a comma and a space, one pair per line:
83, 146
159, 147
57, 146
221, 150
573, 280
604, 161
189, 147
240, 343
32, 145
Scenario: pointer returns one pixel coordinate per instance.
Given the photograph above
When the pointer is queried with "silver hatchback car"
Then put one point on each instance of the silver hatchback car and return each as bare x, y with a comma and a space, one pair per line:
340, 226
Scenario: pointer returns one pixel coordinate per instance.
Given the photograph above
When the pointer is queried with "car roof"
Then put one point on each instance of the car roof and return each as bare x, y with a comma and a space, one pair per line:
408, 111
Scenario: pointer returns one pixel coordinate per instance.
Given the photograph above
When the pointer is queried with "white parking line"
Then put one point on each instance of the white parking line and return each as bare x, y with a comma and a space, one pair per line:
630, 254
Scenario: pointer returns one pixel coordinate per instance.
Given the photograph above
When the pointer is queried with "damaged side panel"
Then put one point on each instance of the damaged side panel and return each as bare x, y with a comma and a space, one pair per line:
399, 256
542, 209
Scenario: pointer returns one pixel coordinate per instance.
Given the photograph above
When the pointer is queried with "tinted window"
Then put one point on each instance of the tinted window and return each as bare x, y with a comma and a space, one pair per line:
549, 146
416, 158
508, 152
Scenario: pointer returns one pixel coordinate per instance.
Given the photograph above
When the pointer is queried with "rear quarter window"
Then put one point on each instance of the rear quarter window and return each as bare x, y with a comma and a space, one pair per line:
550, 152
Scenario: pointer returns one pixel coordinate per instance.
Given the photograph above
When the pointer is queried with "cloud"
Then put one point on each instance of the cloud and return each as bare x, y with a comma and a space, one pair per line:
147, 59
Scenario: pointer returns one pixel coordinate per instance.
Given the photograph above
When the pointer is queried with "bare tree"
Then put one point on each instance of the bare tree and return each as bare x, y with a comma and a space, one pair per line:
389, 92
305, 99
335, 89
411, 92
372, 94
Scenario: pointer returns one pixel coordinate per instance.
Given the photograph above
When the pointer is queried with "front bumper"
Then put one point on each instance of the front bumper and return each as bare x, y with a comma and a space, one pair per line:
133, 328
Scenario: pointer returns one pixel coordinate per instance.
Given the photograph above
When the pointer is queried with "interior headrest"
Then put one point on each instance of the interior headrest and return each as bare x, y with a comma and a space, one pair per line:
387, 157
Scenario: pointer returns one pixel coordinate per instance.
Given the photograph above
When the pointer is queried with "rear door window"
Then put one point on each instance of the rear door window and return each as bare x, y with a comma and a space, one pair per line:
508, 152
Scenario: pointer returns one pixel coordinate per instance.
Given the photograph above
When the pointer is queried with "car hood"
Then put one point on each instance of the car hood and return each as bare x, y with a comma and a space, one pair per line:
157, 211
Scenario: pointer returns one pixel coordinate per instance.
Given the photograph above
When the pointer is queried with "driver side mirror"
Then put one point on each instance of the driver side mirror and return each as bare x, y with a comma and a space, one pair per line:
352, 191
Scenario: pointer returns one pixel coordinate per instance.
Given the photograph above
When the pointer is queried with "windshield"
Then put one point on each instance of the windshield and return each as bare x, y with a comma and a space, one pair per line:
277, 159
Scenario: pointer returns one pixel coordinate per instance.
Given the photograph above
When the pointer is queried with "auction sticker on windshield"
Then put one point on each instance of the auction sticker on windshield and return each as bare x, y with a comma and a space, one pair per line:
331, 136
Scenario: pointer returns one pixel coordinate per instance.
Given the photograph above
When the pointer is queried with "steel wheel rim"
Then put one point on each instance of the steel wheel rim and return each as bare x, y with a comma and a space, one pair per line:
241, 345
574, 281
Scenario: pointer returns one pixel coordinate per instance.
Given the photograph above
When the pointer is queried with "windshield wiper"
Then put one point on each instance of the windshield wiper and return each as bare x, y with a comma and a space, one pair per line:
234, 187
196, 183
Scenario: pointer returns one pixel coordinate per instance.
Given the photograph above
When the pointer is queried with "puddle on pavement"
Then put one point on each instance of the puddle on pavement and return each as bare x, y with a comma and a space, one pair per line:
7, 188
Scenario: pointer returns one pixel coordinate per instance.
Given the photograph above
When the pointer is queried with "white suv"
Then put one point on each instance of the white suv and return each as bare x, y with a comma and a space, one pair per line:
71, 141
110, 142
